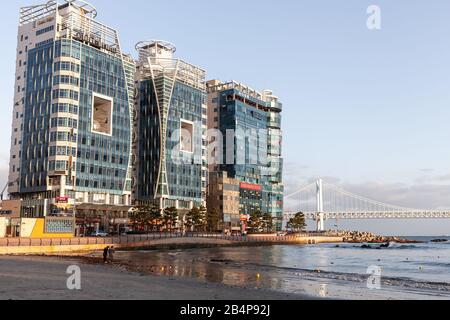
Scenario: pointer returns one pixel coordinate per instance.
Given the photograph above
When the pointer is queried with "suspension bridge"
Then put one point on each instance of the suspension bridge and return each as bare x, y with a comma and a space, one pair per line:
321, 201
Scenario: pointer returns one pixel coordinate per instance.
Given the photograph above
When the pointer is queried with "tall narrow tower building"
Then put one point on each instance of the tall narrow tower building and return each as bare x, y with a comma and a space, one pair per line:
171, 125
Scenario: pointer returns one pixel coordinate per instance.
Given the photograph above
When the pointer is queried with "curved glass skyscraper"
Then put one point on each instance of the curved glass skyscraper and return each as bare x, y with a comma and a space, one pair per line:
171, 128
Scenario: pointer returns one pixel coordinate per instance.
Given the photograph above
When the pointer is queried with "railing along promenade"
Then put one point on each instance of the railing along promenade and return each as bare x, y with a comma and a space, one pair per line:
132, 239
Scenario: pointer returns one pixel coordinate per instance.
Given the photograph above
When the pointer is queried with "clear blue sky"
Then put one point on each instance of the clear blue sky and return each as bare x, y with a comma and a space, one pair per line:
367, 109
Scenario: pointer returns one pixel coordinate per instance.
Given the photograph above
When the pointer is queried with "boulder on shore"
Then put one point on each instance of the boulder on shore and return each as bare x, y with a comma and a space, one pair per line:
439, 240
368, 237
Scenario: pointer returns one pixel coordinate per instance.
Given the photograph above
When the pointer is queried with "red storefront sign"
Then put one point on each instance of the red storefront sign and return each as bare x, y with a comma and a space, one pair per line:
249, 186
62, 199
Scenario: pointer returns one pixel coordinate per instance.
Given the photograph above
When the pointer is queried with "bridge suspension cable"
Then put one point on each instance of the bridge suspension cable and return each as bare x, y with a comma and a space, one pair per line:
300, 190
366, 201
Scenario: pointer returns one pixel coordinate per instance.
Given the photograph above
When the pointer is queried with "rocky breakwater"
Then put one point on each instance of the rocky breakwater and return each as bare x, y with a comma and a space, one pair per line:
368, 237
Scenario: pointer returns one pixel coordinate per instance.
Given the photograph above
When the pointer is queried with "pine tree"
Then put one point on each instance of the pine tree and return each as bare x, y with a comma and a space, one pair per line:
256, 222
170, 218
298, 223
202, 221
268, 223
191, 219
212, 220
140, 217
155, 217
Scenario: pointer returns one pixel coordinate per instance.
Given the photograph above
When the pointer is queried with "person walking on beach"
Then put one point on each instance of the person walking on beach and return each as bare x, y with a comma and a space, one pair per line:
111, 252
105, 254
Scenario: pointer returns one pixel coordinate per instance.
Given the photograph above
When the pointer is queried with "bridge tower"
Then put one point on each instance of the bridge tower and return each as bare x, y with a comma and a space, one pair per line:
320, 214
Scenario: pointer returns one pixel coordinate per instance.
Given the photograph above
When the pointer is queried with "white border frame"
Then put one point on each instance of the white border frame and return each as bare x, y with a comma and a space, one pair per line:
110, 99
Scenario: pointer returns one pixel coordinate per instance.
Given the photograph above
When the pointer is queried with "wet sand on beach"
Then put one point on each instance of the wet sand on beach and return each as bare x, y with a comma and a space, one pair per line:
45, 278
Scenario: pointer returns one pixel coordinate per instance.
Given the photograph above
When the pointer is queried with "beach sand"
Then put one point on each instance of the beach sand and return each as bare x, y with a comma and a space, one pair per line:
45, 278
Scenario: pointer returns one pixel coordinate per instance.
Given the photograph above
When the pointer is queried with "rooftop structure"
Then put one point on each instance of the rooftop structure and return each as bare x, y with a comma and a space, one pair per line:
156, 58
265, 96
37, 12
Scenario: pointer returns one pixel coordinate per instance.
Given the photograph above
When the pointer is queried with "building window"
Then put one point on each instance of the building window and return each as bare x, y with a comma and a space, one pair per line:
102, 114
45, 30
65, 94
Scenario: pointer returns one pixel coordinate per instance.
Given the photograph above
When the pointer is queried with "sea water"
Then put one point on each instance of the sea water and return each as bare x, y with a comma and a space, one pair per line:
407, 271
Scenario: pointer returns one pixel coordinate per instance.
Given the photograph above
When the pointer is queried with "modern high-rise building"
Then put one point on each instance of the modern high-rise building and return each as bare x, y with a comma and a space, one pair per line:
224, 196
252, 156
72, 120
171, 125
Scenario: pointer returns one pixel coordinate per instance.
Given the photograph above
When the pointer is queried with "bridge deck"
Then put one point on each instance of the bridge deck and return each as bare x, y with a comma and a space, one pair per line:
378, 215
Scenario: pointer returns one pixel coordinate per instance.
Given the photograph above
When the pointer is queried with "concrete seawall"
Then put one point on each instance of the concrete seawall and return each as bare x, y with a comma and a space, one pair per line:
155, 244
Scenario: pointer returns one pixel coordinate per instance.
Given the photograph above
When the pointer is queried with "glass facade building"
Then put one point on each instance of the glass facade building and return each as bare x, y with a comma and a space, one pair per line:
253, 156
95, 131
171, 128
74, 112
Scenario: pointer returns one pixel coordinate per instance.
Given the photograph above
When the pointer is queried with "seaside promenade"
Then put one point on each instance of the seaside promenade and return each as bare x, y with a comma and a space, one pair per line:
80, 246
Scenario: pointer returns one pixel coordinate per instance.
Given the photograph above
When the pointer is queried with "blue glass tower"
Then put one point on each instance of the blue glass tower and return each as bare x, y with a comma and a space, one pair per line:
254, 156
